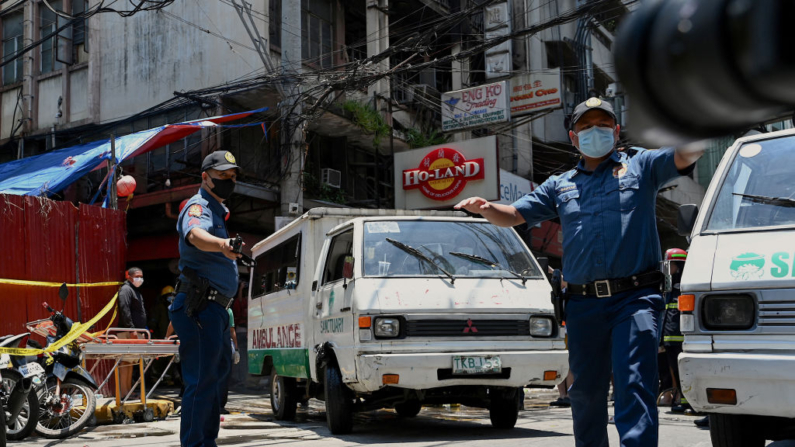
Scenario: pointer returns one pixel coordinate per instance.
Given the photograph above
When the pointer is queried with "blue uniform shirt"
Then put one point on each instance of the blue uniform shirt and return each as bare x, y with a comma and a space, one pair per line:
607, 216
203, 211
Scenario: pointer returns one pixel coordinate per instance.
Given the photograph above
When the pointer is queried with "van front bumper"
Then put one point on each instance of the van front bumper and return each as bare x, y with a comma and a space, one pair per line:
434, 370
764, 383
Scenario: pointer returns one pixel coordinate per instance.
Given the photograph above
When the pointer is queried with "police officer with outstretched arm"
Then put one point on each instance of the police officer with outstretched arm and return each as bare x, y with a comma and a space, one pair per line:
206, 287
606, 206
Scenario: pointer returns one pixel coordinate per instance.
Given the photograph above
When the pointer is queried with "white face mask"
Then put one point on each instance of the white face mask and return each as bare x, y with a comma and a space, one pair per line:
137, 282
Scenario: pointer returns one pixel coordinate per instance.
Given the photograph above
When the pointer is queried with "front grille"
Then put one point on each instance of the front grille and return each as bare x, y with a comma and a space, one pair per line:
777, 313
467, 328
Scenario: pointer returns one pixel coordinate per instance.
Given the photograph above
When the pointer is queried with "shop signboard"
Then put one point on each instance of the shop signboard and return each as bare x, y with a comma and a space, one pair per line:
513, 187
534, 92
440, 176
475, 107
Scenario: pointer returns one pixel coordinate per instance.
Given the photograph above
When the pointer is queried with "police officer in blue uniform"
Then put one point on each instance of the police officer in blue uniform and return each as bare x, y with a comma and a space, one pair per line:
606, 206
206, 252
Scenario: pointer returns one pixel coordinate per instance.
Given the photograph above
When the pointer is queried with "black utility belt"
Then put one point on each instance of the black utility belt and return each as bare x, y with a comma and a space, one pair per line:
609, 287
212, 295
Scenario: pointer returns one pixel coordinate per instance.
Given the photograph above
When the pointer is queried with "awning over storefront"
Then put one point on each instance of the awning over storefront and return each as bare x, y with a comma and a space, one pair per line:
50, 173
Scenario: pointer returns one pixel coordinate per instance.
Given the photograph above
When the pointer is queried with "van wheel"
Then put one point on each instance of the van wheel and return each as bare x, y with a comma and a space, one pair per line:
504, 411
283, 397
731, 430
339, 402
408, 409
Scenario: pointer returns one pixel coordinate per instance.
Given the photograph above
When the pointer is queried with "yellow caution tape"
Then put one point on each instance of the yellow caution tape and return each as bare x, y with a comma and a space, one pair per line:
110, 323
21, 282
77, 330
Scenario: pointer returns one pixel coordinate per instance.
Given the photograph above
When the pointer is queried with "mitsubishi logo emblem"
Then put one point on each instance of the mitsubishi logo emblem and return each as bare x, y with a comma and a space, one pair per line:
470, 327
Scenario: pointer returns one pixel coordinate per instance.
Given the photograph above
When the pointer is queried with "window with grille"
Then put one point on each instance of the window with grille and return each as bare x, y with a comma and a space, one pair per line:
47, 25
275, 23
12, 43
317, 32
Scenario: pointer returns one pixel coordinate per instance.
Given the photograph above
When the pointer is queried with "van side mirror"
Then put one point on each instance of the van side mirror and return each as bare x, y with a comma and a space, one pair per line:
686, 219
63, 292
544, 263
347, 268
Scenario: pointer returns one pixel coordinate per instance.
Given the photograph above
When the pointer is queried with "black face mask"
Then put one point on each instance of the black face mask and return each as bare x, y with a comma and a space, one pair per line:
223, 188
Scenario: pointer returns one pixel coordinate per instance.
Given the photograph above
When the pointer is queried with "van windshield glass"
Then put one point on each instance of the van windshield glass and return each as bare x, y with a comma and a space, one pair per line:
759, 190
462, 248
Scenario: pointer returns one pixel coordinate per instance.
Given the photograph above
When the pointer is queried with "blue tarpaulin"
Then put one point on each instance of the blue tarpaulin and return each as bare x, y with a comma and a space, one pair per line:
47, 174
51, 172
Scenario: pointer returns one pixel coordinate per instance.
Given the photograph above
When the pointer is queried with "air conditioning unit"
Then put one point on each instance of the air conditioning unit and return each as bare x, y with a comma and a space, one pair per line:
331, 177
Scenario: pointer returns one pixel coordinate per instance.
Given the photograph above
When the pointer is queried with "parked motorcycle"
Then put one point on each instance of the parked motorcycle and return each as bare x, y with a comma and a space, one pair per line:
22, 379
2, 416
67, 401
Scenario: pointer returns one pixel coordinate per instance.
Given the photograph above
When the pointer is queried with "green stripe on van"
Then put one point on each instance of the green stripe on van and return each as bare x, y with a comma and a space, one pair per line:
288, 362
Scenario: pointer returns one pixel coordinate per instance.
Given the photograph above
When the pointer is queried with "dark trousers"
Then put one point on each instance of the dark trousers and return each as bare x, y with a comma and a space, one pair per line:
617, 333
204, 353
672, 351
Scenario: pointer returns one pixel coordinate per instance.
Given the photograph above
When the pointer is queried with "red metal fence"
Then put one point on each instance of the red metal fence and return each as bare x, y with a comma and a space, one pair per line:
49, 241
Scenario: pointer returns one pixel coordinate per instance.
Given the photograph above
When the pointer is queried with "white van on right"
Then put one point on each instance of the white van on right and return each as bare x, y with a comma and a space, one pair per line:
738, 295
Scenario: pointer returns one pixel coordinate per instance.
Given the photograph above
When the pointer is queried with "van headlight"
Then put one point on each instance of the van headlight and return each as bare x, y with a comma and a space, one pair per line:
728, 312
541, 326
387, 327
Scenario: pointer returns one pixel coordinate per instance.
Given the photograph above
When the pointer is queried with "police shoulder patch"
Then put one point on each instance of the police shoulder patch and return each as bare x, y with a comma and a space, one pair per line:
195, 210
620, 170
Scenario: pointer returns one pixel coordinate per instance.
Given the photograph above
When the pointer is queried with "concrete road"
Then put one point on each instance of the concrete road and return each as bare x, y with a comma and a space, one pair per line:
251, 424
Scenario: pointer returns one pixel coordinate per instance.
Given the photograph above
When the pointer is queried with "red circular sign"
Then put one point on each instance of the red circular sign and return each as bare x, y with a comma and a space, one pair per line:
443, 174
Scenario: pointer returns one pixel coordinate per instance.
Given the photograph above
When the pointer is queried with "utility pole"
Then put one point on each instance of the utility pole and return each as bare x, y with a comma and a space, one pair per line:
114, 198
292, 135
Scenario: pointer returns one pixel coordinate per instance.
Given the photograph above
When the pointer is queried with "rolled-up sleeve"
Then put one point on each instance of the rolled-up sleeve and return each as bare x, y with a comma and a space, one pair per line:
660, 166
539, 205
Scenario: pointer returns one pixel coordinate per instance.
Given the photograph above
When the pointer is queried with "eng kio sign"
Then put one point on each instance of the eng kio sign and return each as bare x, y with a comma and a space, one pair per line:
476, 106
534, 92
440, 176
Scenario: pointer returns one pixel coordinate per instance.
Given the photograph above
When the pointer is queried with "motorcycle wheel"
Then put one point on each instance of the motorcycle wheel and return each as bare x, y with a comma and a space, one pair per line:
69, 414
27, 419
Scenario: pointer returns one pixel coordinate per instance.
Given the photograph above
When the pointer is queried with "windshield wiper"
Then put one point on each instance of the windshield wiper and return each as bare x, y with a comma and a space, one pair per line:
765, 200
419, 255
488, 262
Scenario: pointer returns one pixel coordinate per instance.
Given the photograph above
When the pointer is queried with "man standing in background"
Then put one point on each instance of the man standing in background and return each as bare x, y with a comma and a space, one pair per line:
131, 315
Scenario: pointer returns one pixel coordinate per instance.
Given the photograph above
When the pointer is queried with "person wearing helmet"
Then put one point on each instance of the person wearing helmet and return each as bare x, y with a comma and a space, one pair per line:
672, 335
158, 324
158, 318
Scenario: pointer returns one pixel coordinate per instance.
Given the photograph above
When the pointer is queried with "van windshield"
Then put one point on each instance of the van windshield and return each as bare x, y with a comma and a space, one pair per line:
759, 190
463, 249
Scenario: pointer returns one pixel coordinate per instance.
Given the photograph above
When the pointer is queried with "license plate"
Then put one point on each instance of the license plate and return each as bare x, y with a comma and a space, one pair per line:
59, 371
476, 365
31, 369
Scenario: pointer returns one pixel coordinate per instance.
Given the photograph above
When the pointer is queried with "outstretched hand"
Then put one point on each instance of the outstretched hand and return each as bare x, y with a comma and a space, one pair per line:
475, 205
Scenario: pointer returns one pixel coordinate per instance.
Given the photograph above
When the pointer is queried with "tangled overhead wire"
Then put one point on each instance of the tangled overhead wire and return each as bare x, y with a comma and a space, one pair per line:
141, 5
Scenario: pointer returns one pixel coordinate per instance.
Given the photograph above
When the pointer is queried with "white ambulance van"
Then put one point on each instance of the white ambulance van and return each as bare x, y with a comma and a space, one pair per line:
738, 302
367, 309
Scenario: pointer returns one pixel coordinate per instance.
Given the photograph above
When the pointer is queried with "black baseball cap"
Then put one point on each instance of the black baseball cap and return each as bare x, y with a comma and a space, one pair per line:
220, 160
591, 104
